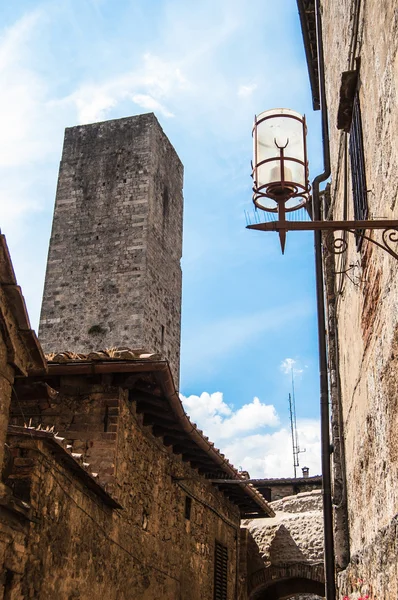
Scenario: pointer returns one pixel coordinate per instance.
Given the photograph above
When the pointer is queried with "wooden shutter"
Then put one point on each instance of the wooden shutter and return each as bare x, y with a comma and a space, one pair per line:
220, 572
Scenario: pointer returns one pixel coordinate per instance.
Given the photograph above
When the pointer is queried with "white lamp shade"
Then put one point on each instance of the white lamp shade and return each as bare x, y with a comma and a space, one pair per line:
280, 153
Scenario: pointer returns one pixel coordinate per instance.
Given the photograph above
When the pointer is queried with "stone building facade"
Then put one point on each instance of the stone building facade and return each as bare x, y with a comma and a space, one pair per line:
111, 488
360, 44
113, 273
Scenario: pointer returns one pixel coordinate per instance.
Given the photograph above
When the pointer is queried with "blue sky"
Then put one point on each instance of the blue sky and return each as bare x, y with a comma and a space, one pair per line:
205, 68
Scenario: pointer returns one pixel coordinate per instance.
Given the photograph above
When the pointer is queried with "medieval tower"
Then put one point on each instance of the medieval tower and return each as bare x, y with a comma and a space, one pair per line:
113, 274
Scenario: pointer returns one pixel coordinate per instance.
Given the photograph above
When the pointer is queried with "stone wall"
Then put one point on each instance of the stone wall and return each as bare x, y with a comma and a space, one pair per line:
149, 548
367, 303
287, 548
113, 274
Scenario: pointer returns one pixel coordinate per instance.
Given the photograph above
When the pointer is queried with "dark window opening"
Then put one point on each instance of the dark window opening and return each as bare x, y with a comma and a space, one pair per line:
358, 174
188, 506
106, 419
220, 572
165, 202
162, 338
8, 584
266, 492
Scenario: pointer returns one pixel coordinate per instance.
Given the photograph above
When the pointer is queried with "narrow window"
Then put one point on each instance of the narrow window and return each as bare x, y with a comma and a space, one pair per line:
162, 338
106, 419
188, 505
267, 493
165, 203
220, 572
358, 174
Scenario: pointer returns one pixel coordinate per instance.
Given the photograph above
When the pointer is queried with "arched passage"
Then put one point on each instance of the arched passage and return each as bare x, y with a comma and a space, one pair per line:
289, 588
282, 582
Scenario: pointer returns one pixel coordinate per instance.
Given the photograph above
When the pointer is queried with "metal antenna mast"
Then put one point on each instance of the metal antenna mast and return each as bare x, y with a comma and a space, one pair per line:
293, 427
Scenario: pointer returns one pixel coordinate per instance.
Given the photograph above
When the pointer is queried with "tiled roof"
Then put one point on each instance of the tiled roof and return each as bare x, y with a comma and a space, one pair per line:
16, 302
194, 446
107, 354
288, 480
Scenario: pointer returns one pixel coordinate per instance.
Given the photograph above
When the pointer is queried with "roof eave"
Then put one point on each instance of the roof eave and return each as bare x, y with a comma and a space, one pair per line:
306, 10
165, 379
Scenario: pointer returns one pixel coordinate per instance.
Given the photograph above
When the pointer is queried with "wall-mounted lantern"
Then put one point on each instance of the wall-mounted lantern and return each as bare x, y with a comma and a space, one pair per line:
281, 182
280, 166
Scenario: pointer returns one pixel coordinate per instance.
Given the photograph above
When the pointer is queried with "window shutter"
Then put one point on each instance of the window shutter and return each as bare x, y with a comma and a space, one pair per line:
220, 572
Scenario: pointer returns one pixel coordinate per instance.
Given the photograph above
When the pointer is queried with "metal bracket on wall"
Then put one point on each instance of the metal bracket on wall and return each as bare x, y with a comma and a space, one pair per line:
340, 244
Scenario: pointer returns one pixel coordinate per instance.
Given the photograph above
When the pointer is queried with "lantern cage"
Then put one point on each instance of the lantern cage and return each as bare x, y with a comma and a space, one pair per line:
281, 185
280, 166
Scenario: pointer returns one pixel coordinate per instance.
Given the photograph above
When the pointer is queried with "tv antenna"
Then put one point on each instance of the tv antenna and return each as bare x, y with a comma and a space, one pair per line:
293, 426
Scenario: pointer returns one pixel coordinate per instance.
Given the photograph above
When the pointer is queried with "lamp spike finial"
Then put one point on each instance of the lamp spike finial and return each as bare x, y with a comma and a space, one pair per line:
282, 239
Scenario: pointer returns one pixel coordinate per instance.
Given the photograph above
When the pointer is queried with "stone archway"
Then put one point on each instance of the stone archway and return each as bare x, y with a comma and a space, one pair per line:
277, 583
285, 554
290, 588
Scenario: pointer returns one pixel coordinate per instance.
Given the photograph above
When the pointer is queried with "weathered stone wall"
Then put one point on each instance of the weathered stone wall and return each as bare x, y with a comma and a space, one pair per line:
374, 569
113, 274
367, 307
287, 547
295, 534
148, 549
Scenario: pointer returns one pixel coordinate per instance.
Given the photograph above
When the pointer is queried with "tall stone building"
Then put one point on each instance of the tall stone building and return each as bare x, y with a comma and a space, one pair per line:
360, 43
113, 273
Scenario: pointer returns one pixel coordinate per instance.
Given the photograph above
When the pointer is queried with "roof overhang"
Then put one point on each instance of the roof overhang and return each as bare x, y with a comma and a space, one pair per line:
23, 348
306, 10
151, 386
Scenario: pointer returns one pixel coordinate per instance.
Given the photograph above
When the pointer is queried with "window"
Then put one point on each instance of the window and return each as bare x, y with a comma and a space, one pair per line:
220, 572
188, 505
357, 156
162, 338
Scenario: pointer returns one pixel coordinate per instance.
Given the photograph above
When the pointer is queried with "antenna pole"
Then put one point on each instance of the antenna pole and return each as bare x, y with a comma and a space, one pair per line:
293, 427
293, 439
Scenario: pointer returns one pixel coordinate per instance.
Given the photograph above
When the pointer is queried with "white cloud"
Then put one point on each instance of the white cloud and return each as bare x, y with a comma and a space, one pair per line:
222, 421
22, 96
243, 435
246, 90
289, 366
150, 103
157, 77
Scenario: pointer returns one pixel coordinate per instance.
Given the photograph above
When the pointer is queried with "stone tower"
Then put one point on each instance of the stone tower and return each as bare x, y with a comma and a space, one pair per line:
113, 273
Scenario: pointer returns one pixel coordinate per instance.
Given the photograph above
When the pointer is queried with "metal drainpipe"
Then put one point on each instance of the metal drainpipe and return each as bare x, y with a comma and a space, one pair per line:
330, 586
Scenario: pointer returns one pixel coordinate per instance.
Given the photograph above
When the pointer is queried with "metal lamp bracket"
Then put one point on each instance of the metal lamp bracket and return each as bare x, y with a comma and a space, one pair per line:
389, 231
